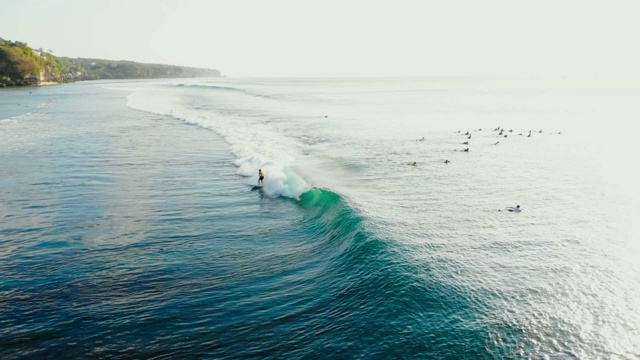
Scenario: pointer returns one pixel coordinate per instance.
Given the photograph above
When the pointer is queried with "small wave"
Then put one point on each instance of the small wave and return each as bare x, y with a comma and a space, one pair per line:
221, 88
17, 118
45, 104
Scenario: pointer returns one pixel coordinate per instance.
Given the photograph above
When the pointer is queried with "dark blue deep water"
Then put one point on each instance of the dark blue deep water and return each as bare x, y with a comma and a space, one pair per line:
128, 234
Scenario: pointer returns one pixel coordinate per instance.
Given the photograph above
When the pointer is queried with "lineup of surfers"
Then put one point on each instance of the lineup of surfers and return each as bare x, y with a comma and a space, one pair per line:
501, 132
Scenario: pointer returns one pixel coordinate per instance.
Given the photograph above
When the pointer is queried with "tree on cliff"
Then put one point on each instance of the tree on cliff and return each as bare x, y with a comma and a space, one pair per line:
16, 62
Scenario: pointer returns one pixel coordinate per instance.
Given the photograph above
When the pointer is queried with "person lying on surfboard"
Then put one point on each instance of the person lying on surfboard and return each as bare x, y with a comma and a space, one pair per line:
261, 176
513, 209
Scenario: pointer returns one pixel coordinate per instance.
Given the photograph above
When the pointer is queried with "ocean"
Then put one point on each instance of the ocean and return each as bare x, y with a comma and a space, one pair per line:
131, 227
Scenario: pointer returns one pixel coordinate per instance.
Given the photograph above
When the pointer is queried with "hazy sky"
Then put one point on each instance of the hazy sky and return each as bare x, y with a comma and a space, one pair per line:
340, 38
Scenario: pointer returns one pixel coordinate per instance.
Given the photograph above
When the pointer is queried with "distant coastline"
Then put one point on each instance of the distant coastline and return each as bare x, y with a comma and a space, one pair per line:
21, 65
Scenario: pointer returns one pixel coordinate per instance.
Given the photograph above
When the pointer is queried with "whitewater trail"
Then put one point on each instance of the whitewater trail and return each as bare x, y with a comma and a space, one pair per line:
254, 145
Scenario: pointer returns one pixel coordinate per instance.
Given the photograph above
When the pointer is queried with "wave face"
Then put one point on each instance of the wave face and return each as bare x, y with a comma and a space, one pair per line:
352, 293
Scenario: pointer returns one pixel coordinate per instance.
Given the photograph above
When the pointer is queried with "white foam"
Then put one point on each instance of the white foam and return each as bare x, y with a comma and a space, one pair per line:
17, 118
254, 144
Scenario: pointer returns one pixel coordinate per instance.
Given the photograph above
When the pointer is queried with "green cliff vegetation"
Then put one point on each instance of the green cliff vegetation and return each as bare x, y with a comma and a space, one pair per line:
108, 69
22, 65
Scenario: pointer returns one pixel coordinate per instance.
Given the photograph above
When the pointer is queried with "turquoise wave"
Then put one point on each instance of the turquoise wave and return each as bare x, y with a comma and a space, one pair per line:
369, 288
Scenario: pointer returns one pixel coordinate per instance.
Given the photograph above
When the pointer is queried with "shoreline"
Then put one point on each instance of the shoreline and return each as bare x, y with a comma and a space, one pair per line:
44, 83
48, 83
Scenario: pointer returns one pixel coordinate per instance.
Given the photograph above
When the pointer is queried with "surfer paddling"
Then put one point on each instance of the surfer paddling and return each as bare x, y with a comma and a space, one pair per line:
260, 177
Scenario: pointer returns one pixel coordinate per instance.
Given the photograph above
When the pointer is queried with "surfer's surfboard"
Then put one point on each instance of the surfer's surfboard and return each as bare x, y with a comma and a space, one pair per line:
256, 187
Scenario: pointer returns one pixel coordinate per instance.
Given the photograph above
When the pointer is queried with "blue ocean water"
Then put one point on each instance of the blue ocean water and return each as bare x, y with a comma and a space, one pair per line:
130, 227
